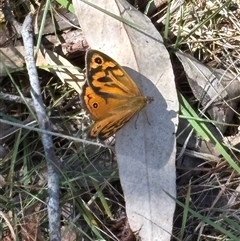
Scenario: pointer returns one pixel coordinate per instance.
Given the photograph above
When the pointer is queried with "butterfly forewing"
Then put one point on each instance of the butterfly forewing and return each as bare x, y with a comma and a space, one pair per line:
104, 71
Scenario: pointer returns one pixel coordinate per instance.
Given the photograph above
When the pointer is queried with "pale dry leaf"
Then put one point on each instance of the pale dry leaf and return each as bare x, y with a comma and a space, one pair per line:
217, 90
66, 72
145, 146
12, 58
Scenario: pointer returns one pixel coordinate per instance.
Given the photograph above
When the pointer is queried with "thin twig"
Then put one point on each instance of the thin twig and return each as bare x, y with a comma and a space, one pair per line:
15, 99
44, 124
31, 128
9, 16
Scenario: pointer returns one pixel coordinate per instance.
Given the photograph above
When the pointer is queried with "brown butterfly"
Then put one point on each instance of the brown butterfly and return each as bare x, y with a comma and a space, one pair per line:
110, 95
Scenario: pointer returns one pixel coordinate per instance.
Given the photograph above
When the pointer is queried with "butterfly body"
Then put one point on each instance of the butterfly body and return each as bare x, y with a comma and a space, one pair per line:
110, 95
